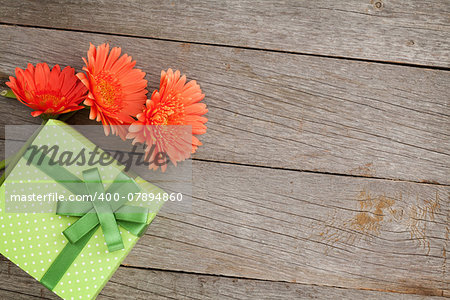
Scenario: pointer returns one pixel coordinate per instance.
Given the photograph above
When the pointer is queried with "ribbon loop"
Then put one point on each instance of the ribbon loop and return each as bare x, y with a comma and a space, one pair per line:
104, 211
131, 218
81, 227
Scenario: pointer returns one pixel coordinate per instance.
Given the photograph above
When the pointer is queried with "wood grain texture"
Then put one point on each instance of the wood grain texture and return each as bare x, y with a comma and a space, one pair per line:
298, 227
283, 110
306, 228
130, 283
414, 32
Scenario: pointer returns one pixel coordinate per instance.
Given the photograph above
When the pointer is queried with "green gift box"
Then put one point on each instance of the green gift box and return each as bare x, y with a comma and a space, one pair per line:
73, 253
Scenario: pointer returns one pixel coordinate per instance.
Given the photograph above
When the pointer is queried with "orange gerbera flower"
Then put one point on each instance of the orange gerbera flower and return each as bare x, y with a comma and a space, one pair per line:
176, 103
48, 92
116, 89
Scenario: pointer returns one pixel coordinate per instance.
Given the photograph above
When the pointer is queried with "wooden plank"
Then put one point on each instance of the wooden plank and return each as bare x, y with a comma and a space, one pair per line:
130, 283
414, 32
307, 228
16, 284
283, 110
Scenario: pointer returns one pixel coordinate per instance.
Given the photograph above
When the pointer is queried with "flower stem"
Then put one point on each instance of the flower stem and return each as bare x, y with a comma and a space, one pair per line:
67, 116
2, 179
8, 94
46, 117
4, 163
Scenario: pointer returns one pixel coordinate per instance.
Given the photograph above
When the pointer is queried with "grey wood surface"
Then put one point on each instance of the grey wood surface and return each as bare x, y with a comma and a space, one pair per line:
306, 228
289, 226
283, 110
325, 170
415, 31
131, 283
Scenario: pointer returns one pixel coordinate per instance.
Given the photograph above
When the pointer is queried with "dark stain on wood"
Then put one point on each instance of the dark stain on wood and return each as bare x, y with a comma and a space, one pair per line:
378, 4
414, 288
373, 211
410, 43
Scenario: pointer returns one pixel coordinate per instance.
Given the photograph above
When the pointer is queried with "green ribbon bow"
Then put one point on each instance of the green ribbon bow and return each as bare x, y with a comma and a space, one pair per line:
108, 215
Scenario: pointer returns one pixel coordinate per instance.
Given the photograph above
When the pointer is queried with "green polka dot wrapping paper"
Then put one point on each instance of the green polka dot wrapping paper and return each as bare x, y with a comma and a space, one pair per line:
34, 241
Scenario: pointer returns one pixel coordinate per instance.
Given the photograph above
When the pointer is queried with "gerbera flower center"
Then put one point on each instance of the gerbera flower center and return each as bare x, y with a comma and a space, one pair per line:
108, 91
169, 112
49, 99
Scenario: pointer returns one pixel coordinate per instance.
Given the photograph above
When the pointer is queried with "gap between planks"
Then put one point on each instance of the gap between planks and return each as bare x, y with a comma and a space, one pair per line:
411, 32
237, 47
2, 142
150, 281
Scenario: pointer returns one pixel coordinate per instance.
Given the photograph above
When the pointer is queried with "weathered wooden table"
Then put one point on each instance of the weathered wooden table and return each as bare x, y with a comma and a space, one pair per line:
325, 169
